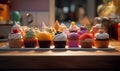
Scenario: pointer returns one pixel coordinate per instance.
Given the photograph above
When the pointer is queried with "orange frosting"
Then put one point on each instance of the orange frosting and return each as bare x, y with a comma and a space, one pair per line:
45, 36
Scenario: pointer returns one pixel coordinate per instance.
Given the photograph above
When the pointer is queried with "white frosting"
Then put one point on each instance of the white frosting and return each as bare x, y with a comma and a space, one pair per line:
101, 36
60, 37
15, 36
17, 27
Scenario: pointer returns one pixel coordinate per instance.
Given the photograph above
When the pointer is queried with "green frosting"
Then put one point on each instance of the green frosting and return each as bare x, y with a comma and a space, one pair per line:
30, 34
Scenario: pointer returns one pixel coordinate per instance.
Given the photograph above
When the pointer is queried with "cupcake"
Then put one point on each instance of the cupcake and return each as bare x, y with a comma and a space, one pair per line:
44, 40
30, 40
15, 38
60, 40
82, 30
73, 27
86, 40
101, 39
73, 40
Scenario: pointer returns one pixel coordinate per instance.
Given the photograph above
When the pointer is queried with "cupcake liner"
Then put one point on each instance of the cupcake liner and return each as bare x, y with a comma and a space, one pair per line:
60, 44
30, 43
73, 43
86, 44
44, 44
18, 43
101, 44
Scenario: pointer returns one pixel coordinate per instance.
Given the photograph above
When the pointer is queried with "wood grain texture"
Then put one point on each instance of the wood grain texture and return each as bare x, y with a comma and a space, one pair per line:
59, 62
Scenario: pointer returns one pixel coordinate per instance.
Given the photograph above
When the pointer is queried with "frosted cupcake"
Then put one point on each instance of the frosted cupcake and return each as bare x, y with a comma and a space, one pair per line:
86, 40
15, 37
44, 40
60, 40
30, 40
101, 39
73, 40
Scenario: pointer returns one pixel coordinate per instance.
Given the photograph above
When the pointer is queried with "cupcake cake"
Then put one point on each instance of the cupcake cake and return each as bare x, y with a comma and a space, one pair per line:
44, 40
73, 40
101, 39
60, 40
86, 40
82, 30
73, 27
15, 38
30, 40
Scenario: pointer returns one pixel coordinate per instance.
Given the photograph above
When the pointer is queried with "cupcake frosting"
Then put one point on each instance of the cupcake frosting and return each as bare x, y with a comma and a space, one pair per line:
16, 27
73, 36
14, 36
30, 34
15, 32
86, 36
101, 35
59, 36
82, 30
45, 36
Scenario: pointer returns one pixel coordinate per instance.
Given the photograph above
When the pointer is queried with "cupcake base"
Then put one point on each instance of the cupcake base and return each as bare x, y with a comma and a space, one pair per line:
18, 43
60, 44
101, 43
44, 44
30, 43
86, 44
73, 43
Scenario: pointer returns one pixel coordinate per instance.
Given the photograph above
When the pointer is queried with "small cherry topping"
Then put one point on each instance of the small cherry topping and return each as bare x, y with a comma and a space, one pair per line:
15, 31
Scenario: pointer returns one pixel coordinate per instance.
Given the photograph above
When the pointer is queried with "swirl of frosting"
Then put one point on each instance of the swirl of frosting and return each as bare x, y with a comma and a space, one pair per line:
101, 35
30, 34
15, 36
60, 37
73, 36
17, 27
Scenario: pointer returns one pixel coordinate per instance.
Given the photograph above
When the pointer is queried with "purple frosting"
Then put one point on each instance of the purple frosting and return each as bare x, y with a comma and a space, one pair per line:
73, 36
82, 30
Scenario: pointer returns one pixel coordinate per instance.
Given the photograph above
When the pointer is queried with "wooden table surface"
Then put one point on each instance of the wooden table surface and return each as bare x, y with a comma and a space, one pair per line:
61, 59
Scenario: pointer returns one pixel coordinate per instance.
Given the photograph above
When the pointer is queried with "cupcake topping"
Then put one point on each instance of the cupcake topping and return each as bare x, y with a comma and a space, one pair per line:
73, 26
45, 36
101, 35
15, 32
86, 36
30, 34
59, 36
16, 29
14, 36
83, 28
73, 36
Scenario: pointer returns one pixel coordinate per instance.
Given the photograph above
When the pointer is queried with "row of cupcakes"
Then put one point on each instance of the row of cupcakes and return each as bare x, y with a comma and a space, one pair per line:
29, 37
